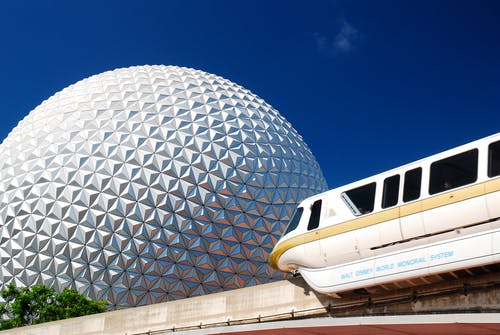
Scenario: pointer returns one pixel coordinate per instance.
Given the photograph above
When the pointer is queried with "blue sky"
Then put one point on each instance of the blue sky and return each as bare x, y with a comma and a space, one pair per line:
370, 85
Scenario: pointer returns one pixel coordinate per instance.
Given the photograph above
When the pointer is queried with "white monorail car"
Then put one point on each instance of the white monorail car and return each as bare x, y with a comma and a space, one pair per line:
436, 215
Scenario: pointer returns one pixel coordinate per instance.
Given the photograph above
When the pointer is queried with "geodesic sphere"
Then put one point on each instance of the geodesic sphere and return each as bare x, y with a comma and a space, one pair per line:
148, 184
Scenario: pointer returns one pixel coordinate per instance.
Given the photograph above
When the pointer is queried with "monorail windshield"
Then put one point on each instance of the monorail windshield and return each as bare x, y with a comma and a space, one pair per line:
294, 222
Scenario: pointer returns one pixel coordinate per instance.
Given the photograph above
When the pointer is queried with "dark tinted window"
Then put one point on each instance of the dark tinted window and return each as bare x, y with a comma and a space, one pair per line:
454, 171
294, 222
361, 199
315, 215
494, 159
391, 191
413, 180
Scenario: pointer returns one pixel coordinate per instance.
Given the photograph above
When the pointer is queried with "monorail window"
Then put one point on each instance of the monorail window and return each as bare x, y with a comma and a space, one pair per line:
413, 181
391, 191
453, 172
315, 215
294, 222
361, 199
494, 159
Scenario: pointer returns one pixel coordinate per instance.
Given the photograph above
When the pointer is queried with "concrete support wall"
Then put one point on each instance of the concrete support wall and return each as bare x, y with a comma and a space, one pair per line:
262, 301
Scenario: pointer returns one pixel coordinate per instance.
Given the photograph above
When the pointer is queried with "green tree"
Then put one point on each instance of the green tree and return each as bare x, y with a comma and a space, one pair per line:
9, 320
69, 304
37, 304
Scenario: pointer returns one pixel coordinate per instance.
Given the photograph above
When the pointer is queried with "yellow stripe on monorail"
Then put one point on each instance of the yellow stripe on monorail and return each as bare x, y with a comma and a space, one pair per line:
441, 200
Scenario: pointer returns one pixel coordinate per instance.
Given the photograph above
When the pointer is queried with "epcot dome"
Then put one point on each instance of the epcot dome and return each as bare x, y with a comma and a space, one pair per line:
147, 184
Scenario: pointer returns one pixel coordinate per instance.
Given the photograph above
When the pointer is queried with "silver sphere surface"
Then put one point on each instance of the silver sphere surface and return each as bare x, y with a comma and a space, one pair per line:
147, 184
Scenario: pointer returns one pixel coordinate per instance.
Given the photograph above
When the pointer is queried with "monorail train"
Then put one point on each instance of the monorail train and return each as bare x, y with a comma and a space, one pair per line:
435, 215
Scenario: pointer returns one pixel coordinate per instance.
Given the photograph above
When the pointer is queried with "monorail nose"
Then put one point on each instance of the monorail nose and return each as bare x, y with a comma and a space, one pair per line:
273, 258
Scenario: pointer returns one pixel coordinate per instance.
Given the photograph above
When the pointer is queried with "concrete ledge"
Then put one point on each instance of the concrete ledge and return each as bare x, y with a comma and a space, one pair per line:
255, 302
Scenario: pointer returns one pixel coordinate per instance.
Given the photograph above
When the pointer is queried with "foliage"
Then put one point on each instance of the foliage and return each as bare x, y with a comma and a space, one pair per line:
37, 304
